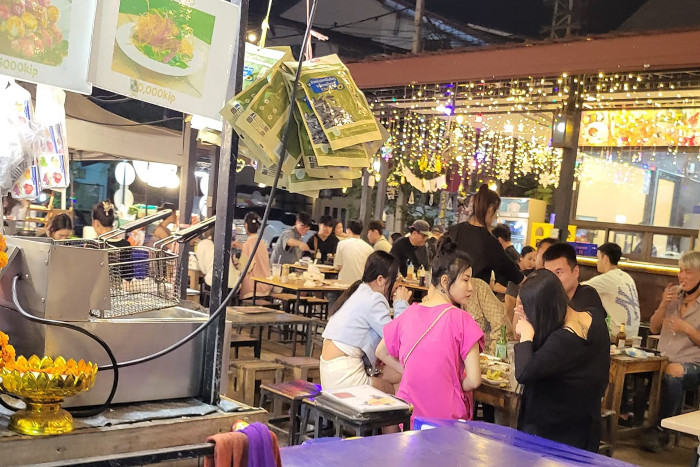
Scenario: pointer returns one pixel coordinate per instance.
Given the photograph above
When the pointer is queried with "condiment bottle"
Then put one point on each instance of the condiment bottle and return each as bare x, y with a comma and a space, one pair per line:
410, 270
621, 337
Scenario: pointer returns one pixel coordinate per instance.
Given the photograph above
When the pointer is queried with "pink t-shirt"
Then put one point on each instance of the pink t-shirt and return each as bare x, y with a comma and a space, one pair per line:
432, 377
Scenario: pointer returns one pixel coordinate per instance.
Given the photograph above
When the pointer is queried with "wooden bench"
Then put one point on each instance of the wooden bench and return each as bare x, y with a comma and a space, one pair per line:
305, 368
245, 373
292, 393
316, 308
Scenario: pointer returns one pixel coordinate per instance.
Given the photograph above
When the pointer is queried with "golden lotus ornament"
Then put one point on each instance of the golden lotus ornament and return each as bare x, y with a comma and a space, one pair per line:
42, 384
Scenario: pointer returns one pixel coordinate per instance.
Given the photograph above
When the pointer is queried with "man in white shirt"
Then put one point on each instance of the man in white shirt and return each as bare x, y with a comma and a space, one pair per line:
375, 235
352, 254
617, 290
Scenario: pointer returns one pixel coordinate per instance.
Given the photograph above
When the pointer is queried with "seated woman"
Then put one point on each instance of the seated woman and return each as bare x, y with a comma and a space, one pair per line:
678, 320
435, 345
489, 313
103, 221
528, 257
260, 266
356, 324
162, 231
205, 258
563, 360
60, 227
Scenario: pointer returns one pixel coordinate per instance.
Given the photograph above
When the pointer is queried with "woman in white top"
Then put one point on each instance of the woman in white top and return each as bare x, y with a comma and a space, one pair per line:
205, 259
356, 324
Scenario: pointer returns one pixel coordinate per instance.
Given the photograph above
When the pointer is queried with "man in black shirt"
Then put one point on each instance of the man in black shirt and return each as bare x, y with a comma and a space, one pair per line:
324, 242
503, 235
560, 258
412, 249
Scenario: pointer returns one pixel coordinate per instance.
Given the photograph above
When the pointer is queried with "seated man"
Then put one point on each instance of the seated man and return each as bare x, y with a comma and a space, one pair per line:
352, 254
617, 291
678, 320
324, 242
560, 258
411, 249
375, 235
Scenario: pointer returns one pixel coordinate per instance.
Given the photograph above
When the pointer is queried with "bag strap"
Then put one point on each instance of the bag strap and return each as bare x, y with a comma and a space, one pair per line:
426, 332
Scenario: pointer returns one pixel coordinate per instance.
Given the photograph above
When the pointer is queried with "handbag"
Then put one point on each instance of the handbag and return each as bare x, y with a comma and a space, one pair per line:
426, 332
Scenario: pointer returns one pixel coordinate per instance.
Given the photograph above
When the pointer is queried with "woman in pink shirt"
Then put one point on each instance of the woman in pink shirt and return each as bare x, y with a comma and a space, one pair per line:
435, 344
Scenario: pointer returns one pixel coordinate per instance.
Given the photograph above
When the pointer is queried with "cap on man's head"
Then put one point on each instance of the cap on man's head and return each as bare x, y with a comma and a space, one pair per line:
438, 229
420, 226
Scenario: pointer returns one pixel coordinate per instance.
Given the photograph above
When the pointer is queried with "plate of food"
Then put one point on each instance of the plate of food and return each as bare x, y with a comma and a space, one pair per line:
496, 377
158, 43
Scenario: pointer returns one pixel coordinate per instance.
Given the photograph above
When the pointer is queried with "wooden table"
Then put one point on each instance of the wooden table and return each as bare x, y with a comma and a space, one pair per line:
687, 423
297, 286
325, 269
261, 317
504, 399
622, 365
194, 276
149, 440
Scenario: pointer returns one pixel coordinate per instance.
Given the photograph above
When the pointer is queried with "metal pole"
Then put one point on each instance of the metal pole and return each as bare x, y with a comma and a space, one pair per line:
186, 199
418, 25
365, 195
225, 206
563, 195
380, 200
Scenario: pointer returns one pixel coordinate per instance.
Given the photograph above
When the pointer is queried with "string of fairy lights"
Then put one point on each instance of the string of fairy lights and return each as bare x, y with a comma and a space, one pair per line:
501, 130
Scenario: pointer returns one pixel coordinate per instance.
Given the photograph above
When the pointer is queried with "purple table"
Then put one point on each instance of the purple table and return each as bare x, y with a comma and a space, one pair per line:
450, 443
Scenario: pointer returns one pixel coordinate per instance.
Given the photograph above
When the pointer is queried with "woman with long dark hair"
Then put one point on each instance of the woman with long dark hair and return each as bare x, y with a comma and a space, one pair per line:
563, 360
60, 227
260, 267
474, 237
356, 325
435, 345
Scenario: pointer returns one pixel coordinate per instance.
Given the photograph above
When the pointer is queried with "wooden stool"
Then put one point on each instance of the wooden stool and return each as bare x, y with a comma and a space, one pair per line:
247, 372
316, 308
291, 392
304, 368
288, 302
240, 340
606, 446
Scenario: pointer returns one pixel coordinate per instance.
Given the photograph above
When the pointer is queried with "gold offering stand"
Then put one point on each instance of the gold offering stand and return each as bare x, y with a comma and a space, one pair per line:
43, 386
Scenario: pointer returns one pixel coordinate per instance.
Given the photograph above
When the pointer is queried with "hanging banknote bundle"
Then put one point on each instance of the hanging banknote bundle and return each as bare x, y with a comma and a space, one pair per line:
332, 137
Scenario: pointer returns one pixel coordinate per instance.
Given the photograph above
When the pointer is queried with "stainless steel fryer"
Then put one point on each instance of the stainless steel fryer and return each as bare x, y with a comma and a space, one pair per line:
127, 296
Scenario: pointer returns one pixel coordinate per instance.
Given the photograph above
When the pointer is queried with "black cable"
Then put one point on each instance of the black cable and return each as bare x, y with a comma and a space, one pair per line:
162, 120
244, 272
61, 324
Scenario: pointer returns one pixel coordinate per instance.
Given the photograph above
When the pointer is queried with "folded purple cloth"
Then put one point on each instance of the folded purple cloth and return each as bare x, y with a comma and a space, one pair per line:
260, 448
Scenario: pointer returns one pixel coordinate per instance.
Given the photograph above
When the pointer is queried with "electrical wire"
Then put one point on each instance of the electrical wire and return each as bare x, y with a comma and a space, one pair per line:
125, 124
61, 324
114, 364
266, 216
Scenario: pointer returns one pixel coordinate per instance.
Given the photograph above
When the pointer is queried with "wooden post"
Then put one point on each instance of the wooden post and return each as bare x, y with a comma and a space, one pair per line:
225, 206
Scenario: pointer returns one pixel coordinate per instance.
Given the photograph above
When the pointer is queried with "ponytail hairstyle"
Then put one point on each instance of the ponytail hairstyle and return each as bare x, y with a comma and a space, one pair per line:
252, 222
103, 212
61, 221
484, 199
449, 261
378, 264
545, 303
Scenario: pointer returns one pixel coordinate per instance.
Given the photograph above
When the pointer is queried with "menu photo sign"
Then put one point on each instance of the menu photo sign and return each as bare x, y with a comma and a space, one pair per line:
47, 41
172, 53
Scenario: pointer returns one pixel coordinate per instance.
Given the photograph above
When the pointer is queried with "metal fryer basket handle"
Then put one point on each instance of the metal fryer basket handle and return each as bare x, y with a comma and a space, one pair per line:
185, 235
137, 224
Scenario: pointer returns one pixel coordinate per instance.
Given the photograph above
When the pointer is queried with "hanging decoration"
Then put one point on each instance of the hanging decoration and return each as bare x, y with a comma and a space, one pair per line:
423, 185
